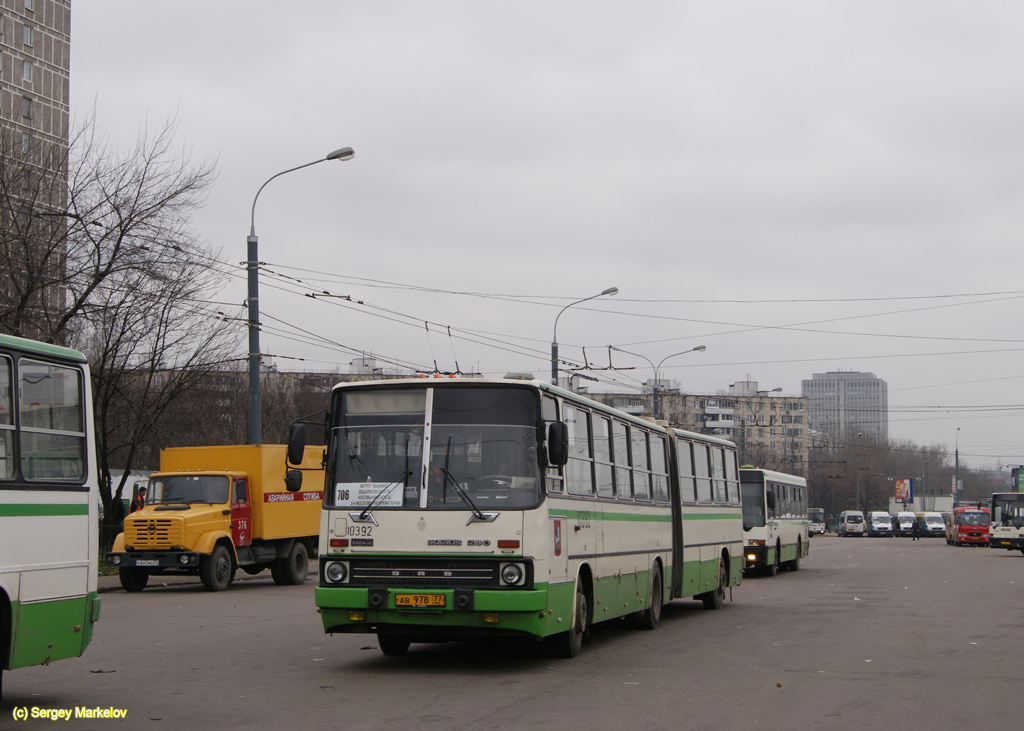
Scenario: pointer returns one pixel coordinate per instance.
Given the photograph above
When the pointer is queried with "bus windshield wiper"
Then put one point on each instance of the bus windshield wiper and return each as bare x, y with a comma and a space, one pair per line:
455, 483
386, 489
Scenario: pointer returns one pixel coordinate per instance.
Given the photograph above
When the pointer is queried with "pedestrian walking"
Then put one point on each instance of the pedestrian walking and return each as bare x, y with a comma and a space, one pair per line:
916, 532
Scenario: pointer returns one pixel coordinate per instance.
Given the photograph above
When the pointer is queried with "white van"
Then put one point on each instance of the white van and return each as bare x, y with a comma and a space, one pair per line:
851, 523
906, 521
879, 523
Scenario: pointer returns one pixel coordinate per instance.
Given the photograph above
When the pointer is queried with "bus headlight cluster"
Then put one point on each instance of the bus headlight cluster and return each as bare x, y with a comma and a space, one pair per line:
512, 574
336, 572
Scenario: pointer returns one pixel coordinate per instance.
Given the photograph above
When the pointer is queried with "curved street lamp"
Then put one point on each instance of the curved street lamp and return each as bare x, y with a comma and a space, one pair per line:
554, 332
656, 368
252, 270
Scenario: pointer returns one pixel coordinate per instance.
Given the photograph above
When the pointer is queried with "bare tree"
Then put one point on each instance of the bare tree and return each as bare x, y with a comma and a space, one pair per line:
99, 253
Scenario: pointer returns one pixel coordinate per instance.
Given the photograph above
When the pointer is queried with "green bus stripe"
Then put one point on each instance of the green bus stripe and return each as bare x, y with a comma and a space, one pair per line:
597, 515
21, 510
641, 517
711, 516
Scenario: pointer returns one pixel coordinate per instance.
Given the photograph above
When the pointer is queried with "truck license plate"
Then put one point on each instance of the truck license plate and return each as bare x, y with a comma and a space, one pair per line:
147, 562
419, 600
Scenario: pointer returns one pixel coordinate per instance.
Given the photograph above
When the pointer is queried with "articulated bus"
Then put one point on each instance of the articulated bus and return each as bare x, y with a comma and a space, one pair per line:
48, 504
1007, 529
463, 508
775, 523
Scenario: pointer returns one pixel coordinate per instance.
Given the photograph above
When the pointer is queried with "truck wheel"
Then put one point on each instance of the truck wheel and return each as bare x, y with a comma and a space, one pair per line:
296, 566
133, 579
216, 570
276, 572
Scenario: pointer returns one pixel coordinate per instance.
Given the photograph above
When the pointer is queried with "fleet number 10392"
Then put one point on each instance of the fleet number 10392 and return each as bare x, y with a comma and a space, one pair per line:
363, 531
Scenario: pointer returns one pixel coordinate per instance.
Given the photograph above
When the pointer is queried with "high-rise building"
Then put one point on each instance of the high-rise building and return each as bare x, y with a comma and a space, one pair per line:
844, 404
35, 62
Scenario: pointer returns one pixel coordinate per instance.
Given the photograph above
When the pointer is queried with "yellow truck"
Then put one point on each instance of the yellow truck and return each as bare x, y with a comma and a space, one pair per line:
212, 510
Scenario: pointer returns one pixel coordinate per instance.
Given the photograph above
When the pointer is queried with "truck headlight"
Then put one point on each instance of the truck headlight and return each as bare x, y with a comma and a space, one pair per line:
336, 572
115, 560
511, 573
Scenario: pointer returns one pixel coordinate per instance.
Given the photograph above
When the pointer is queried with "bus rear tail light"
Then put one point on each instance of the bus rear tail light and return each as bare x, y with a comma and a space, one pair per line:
508, 544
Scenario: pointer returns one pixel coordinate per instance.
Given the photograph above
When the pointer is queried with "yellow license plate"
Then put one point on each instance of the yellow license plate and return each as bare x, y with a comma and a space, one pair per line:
419, 600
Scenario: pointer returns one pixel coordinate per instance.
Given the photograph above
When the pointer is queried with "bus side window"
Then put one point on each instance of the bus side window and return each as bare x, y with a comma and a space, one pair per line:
552, 475
659, 472
6, 421
641, 469
731, 478
687, 485
718, 474
579, 471
702, 467
603, 456
620, 452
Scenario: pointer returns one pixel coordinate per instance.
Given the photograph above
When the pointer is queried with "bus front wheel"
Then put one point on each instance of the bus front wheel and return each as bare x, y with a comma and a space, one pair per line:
773, 568
569, 644
392, 645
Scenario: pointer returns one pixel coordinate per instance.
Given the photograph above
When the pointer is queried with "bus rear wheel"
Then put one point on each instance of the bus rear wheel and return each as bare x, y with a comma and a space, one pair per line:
715, 598
651, 617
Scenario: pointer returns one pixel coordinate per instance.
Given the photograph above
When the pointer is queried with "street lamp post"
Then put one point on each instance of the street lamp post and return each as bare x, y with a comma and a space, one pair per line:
252, 270
656, 368
554, 332
956, 470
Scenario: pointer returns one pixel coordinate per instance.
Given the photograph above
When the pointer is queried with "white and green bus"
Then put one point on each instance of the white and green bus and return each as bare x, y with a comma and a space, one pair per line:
775, 522
462, 508
48, 504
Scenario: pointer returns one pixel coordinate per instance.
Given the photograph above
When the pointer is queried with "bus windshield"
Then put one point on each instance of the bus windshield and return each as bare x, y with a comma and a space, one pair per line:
753, 504
171, 489
1008, 511
477, 449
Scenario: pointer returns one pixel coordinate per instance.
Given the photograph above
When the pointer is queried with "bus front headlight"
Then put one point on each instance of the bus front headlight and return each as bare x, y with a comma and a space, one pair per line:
336, 572
511, 574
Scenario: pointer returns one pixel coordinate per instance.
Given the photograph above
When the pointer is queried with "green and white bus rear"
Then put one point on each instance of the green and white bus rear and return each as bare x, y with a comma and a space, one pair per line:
1007, 529
462, 508
48, 504
775, 523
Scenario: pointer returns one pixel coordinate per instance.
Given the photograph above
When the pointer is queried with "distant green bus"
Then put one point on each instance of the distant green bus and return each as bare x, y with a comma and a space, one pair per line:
776, 529
48, 505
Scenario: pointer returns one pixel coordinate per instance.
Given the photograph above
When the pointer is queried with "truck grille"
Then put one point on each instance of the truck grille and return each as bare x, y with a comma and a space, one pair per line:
411, 572
153, 534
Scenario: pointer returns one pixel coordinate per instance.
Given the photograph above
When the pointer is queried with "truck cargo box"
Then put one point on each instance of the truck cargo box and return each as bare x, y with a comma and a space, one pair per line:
276, 513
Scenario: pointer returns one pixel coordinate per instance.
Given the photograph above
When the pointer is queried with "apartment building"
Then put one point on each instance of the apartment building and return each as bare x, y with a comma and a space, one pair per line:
844, 404
35, 52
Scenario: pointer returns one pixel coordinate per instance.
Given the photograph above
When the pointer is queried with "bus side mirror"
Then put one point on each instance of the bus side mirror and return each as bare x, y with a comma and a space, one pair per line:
558, 444
296, 443
293, 480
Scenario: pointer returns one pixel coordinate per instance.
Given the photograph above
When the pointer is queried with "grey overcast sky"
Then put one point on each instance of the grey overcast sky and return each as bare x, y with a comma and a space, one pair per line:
799, 186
